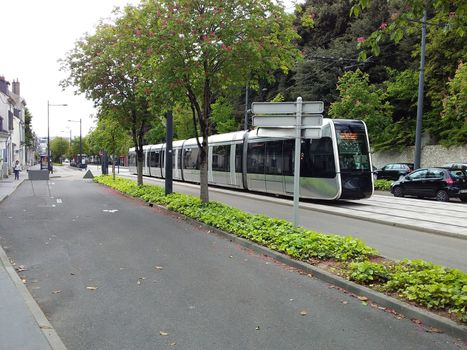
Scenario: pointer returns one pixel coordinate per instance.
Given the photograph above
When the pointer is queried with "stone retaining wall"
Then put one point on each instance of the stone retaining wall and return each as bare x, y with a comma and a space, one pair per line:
432, 155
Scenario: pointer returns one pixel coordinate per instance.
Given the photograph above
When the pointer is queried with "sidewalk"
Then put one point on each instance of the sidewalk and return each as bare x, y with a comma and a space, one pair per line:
23, 326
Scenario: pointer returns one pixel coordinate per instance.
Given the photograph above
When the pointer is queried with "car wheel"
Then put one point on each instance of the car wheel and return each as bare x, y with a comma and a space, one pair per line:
463, 198
442, 196
398, 192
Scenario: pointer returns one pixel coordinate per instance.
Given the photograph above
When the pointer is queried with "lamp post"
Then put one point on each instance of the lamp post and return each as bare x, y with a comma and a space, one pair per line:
48, 129
80, 158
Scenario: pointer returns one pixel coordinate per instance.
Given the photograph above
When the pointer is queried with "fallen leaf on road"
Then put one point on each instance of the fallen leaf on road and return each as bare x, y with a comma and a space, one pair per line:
91, 288
362, 298
24, 281
303, 313
21, 268
163, 333
56, 291
173, 344
257, 328
344, 302
434, 330
158, 267
140, 280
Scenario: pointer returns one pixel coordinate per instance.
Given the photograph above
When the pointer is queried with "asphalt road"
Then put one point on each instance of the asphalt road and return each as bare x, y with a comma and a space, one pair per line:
112, 273
392, 242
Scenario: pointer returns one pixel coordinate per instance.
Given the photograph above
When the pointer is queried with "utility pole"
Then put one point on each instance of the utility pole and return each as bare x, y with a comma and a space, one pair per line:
421, 82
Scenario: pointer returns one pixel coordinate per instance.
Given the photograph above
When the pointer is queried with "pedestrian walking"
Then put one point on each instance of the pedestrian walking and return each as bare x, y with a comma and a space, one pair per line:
17, 169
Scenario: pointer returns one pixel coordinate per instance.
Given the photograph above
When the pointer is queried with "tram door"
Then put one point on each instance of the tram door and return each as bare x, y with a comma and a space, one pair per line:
255, 166
288, 148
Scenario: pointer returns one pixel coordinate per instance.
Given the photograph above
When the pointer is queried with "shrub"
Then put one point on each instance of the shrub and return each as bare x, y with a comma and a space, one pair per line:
383, 185
422, 282
427, 284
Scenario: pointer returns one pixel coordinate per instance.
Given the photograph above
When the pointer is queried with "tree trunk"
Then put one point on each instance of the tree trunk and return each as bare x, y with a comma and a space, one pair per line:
203, 176
139, 165
113, 167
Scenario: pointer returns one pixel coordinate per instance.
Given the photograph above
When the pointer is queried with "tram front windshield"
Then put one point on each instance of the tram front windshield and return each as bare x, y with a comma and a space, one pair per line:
352, 146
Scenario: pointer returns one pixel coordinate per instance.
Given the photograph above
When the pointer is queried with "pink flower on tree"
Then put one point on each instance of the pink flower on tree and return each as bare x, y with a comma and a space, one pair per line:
383, 26
360, 40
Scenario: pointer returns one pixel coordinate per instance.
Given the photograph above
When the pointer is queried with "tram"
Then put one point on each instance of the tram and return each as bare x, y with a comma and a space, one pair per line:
336, 166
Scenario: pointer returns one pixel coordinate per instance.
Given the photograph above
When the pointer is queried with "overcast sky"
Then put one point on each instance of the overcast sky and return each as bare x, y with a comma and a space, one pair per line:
35, 35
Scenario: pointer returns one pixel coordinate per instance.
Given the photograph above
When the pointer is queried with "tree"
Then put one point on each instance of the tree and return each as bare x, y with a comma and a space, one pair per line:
29, 134
454, 115
445, 15
445, 46
75, 146
204, 47
105, 67
110, 136
58, 148
361, 100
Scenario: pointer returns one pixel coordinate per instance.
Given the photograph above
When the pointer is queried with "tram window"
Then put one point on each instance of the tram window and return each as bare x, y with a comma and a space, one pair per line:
288, 157
238, 157
221, 158
273, 161
352, 146
154, 159
255, 160
191, 158
317, 159
132, 160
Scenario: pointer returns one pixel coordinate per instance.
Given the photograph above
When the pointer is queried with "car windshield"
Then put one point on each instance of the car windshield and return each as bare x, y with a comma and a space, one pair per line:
458, 175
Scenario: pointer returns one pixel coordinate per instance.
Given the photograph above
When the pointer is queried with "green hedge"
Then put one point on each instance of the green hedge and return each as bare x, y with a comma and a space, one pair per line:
422, 282
433, 286
383, 185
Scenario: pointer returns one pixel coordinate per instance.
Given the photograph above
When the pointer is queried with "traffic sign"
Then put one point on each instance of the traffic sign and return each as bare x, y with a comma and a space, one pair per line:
308, 107
284, 121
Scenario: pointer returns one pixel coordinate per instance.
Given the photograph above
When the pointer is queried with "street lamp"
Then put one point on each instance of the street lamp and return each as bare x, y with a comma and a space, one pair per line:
48, 129
80, 158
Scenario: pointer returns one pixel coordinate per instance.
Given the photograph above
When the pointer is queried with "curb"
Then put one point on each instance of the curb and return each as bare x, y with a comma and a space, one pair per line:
427, 318
44, 325
333, 212
411, 312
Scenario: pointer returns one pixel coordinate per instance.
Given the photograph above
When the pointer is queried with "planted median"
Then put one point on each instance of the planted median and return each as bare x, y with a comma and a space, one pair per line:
432, 286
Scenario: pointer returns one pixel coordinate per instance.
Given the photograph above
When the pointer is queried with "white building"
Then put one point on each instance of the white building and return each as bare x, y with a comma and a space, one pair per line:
12, 127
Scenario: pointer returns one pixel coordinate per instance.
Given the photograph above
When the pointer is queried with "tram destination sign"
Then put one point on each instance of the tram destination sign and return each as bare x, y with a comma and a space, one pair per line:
308, 107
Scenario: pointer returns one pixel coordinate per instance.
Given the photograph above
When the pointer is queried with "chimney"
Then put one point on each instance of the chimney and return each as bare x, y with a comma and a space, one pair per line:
15, 87
4, 85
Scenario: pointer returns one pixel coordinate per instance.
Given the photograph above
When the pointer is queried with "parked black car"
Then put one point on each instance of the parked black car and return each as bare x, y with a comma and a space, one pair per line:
462, 166
439, 183
394, 171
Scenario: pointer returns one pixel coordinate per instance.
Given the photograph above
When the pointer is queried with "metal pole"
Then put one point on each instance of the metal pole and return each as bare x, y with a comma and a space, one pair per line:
48, 138
169, 155
245, 122
80, 146
298, 151
421, 81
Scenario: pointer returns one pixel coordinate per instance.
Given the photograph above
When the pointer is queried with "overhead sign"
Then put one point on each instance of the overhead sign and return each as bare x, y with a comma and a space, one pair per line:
290, 119
284, 121
308, 107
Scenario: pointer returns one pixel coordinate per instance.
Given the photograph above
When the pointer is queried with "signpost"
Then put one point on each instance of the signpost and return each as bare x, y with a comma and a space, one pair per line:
288, 119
